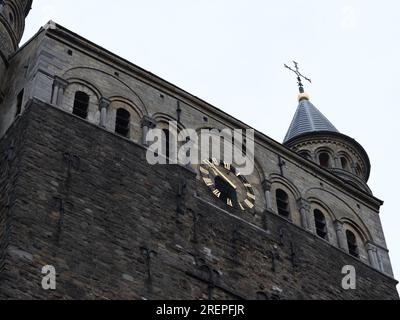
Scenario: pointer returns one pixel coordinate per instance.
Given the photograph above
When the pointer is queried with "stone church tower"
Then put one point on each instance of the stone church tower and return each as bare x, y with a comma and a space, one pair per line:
12, 25
78, 195
313, 137
316, 139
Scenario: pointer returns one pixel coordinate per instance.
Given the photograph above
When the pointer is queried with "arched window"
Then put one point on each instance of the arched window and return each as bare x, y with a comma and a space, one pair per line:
122, 122
324, 160
81, 104
282, 202
345, 163
320, 224
352, 244
11, 18
358, 170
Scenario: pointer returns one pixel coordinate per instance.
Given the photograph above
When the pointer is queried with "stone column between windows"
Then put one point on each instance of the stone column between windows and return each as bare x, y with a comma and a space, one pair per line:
54, 94
103, 106
336, 162
315, 157
353, 168
148, 123
59, 87
373, 256
304, 209
267, 185
341, 236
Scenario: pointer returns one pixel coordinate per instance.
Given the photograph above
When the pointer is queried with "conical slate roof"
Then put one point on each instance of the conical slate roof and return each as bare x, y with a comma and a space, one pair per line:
308, 119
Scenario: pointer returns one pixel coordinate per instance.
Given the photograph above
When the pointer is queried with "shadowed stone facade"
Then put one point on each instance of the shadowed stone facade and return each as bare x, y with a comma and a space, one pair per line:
78, 196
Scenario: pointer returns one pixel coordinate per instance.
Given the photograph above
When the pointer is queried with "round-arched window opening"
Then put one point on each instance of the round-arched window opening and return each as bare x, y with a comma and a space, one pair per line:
122, 122
11, 18
81, 104
344, 163
352, 244
358, 170
320, 224
282, 203
324, 160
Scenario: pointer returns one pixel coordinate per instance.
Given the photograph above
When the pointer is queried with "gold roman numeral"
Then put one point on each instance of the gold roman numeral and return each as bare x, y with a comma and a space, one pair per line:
215, 161
249, 204
248, 185
217, 193
251, 196
229, 202
204, 171
208, 182
227, 166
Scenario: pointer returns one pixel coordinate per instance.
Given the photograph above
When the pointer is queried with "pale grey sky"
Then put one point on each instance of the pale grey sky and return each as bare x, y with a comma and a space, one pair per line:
231, 54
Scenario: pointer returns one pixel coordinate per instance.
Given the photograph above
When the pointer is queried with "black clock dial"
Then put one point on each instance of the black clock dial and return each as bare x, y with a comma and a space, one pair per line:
227, 184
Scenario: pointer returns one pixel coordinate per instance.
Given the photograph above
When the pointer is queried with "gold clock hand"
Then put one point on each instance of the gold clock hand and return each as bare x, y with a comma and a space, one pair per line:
221, 174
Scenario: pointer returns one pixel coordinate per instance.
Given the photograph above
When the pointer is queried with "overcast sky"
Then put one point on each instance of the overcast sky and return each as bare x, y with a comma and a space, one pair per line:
231, 54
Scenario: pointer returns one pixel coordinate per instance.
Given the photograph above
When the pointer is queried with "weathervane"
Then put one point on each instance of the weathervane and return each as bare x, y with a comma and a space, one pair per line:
299, 76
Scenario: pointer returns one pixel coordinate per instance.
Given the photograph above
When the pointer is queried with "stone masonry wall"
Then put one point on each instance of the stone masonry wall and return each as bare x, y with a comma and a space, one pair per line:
87, 202
10, 156
59, 55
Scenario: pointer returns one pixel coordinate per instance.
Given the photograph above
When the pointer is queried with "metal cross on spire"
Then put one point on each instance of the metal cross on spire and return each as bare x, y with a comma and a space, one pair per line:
299, 76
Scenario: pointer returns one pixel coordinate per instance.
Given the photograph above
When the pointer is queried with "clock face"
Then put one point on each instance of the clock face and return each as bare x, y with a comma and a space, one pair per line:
227, 184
